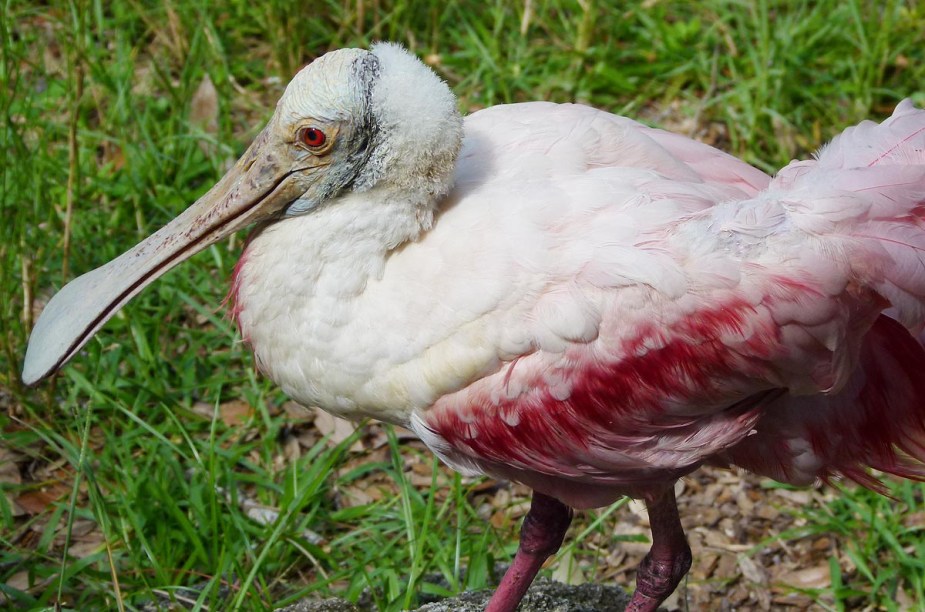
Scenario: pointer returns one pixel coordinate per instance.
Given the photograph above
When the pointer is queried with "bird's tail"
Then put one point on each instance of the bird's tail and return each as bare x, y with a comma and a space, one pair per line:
863, 201
877, 420
860, 204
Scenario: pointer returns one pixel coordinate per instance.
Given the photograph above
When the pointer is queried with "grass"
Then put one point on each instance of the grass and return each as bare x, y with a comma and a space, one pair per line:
100, 149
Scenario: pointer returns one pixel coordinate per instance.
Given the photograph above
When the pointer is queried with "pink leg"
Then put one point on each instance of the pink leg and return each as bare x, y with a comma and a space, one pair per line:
668, 560
540, 537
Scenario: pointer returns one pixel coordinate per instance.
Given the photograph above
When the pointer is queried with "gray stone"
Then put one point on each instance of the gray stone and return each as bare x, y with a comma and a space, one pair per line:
544, 596
332, 604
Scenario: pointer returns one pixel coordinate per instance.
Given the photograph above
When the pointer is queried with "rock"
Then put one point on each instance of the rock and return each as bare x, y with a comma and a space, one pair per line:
544, 596
332, 604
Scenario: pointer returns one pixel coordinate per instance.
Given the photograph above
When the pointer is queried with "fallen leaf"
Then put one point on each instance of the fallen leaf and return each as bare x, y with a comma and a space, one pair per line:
818, 577
203, 111
263, 514
297, 412
111, 154
352, 497
704, 565
86, 539
19, 581
750, 569
799, 498
204, 409
235, 412
568, 570
291, 449
335, 428
37, 501
915, 520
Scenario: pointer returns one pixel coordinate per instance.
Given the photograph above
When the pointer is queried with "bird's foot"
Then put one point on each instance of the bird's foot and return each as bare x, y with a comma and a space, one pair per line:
657, 578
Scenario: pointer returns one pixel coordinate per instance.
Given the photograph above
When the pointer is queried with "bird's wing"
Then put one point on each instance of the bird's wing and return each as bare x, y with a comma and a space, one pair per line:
550, 225
612, 354
564, 138
634, 339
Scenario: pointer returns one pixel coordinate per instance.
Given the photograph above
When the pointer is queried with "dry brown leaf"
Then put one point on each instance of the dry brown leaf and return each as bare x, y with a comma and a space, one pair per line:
291, 449
203, 111
766, 511
54, 471
499, 519
674, 601
351, 497
822, 544
568, 569
204, 409
86, 539
704, 565
37, 501
745, 503
79, 529
916, 520
378, 437
421, 481
307, 438
763, 595
236, 412
818, 577
297, 412
794, 601
19, 581
111, 154
750, 569
404, 435
906, 601
15, 510
727, 567
715, 538
799, 498
336, 428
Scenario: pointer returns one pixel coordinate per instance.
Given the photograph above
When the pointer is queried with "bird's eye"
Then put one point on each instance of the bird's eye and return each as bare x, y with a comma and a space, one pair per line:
312, 137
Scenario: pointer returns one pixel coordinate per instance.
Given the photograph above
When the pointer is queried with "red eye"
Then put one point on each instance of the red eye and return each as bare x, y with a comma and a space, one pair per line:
312, 137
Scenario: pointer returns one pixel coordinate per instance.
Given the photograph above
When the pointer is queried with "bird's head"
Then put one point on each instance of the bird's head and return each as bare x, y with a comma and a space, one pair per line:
352, 120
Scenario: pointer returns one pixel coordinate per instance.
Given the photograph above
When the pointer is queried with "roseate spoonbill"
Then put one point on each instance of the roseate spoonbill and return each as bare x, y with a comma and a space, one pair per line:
562, 297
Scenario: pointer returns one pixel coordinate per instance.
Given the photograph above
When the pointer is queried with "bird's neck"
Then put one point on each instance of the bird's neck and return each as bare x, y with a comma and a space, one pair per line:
330, 252
358, 230
298, 284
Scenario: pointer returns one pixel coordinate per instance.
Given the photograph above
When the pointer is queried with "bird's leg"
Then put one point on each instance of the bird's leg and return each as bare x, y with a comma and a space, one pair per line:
668, 560
540, 537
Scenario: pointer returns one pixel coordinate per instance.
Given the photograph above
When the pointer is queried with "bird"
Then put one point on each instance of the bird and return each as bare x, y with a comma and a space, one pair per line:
558, 296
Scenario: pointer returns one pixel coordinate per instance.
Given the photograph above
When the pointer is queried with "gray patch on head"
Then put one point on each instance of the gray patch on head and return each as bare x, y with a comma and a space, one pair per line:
354, 149
366, 71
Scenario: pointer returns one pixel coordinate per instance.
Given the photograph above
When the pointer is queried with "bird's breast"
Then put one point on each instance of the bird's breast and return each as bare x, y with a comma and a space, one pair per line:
360, 331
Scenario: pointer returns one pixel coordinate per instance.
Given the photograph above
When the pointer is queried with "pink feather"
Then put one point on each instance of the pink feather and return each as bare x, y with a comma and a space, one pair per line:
691, 378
